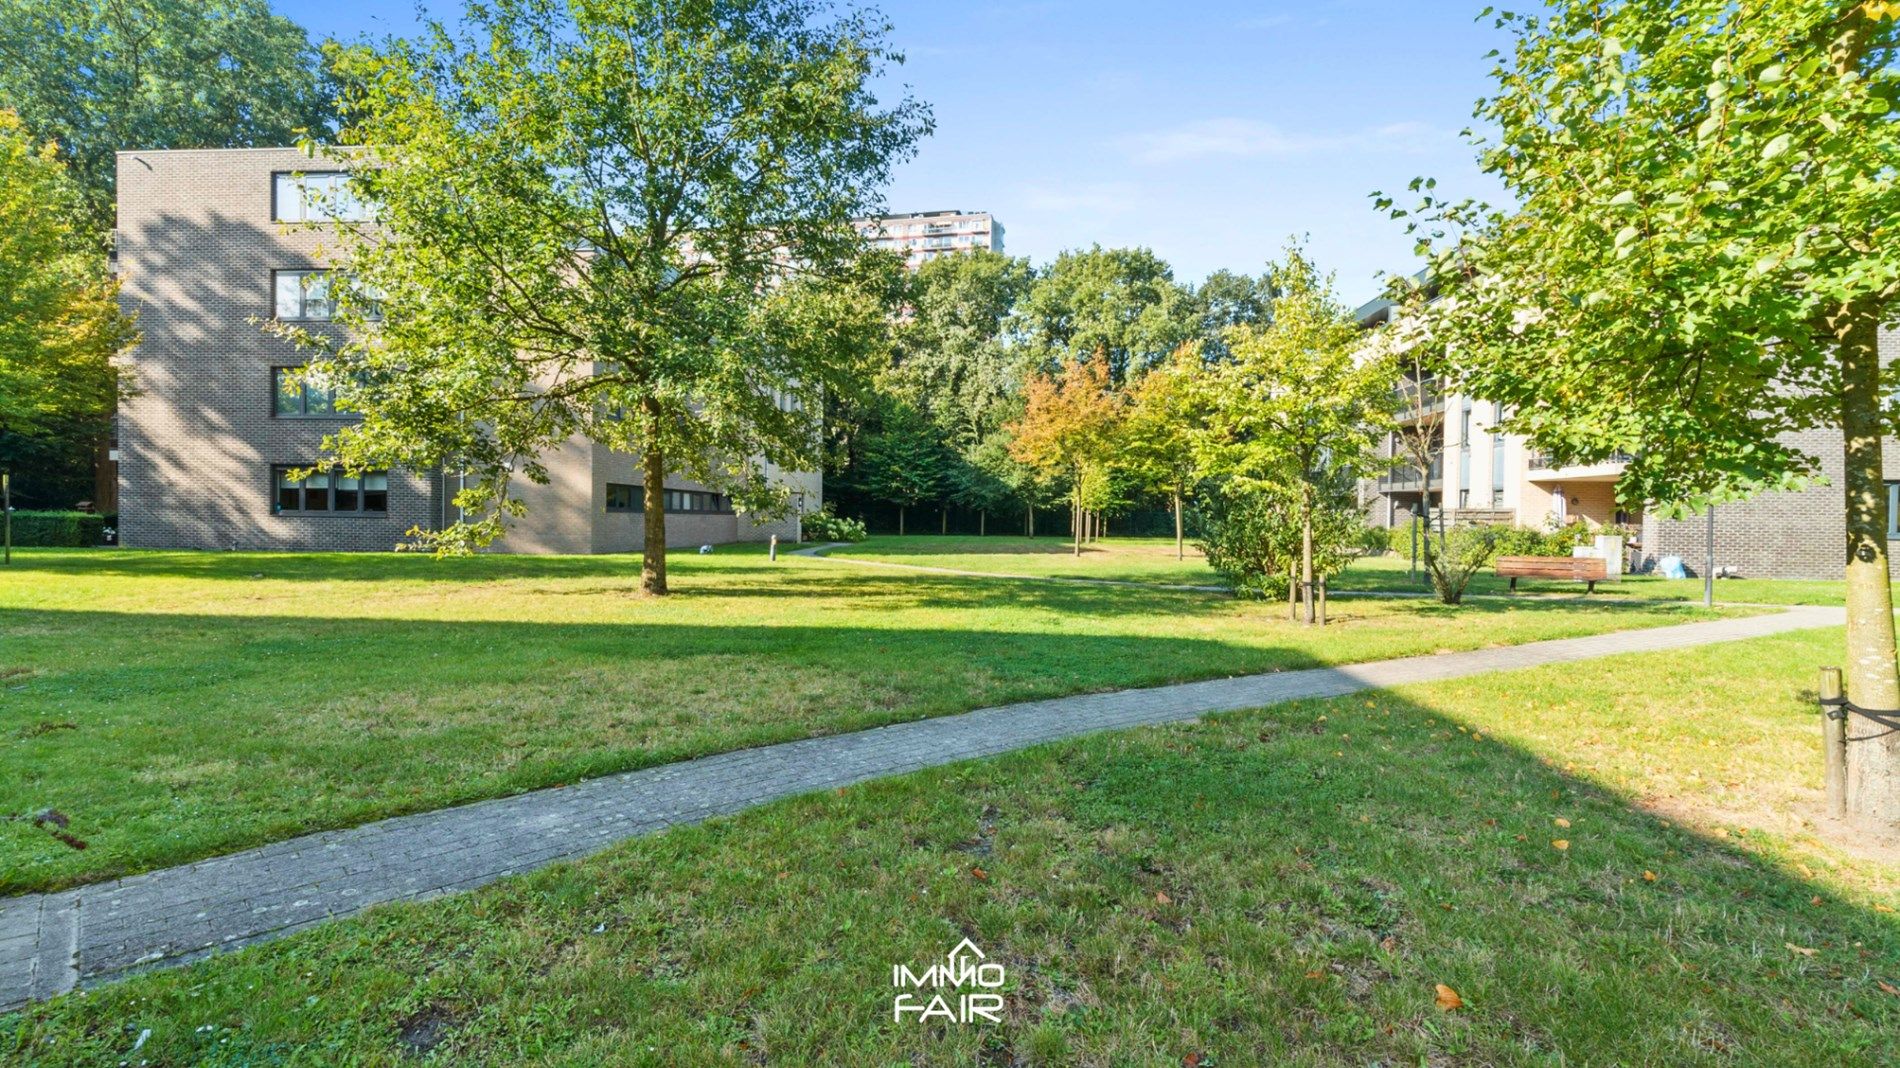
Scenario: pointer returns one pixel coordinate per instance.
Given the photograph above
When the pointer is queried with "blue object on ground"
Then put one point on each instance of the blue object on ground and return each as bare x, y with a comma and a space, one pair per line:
1671, 567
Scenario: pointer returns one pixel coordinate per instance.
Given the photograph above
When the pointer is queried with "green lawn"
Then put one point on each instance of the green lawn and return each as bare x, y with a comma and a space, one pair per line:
1285, 886
178, 705
1153, 560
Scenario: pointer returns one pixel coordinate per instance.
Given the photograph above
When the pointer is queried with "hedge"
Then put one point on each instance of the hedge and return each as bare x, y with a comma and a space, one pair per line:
62, 529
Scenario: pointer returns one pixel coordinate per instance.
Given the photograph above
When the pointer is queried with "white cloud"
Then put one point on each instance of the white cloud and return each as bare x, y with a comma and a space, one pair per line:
1251, 138
1104, 197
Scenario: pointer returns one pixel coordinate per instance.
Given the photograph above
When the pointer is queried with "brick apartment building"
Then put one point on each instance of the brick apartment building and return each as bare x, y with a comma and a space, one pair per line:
209, 245
1483, 476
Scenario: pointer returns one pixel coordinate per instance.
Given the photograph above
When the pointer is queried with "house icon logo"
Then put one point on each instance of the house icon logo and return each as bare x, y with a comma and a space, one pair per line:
962, 987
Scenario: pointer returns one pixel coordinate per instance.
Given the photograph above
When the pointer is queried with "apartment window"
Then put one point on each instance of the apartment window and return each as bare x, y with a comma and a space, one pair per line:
304, 295
297, 398
330, 492
634, 498
1893, 510
696, 501
318, 196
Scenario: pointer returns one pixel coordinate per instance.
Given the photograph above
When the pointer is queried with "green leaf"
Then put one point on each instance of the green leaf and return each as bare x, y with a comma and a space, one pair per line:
1627, 198
1777, 146
1772, 73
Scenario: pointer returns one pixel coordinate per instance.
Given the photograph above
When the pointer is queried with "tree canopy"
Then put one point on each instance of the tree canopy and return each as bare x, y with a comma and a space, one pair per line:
103, 76
1122, 304
60, 323
1698, 264
623, 220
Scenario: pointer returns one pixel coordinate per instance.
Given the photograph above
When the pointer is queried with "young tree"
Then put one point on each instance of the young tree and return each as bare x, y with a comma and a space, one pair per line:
1698, 267
101, 76
1166, 407
623, 220
1066, 430
1296, 405
1121, 304
60, 323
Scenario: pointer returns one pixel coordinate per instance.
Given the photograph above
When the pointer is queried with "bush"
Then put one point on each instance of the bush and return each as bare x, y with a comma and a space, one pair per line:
1252, 538
81, 530
824, 526
1452, 562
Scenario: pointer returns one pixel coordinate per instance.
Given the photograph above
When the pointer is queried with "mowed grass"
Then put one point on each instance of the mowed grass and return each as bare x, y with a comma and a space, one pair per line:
179, 705
1149, 560
1152, 560
1285, 886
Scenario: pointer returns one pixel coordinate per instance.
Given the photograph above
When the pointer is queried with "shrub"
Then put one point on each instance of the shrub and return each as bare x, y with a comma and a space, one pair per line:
1524, 541
1252, 538
825, 526
1453, 560
81, 530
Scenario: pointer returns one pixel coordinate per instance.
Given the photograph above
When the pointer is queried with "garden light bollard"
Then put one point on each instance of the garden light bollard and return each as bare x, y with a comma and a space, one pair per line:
1833, 742
774, 549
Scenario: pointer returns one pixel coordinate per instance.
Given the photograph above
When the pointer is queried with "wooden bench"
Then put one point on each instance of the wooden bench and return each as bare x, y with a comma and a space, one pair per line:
1590, 569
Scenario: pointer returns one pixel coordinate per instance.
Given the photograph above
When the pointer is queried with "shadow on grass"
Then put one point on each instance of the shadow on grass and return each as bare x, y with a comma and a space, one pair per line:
1262, 888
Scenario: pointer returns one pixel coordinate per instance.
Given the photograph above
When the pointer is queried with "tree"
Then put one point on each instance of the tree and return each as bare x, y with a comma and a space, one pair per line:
101, 76
60, 323
1226, 300
955, 359
1156, 442
1122, 304
1700, 262
902, 461
1066, 430
627, 221
1296, 405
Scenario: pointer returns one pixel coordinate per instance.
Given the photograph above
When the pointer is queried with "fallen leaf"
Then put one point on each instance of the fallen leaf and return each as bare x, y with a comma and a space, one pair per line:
1561, 822
1560, 844
1389, 944
979, 873
1192, 1060
1316, 974
1803, 950
1162, 898
1883, 908
1649, 876
1806, 872
1448, 998
1889, 987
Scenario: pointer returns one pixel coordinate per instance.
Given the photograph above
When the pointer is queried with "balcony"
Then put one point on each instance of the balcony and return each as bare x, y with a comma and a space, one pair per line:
1407, 478
1420, 399
1543, 462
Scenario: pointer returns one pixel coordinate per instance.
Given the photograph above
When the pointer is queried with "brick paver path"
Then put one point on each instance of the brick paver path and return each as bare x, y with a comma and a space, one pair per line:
51, 942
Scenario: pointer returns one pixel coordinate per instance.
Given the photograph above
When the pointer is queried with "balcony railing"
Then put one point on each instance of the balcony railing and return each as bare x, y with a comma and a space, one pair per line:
1419, 399
1542, 461
1404, 478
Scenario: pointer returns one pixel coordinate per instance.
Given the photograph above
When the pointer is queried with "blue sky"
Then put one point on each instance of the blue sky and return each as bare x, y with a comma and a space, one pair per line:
1208, 131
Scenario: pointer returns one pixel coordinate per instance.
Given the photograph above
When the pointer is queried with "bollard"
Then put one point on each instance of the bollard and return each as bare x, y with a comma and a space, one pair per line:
774, 549
1834, 742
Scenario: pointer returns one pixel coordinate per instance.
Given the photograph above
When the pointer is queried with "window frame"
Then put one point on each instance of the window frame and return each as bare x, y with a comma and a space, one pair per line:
277, 276
1893, 511
636, 500
301, 179
332, 476
303, 398
673, 499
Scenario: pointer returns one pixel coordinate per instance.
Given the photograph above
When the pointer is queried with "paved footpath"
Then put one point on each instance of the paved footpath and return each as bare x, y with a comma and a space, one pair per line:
50, 943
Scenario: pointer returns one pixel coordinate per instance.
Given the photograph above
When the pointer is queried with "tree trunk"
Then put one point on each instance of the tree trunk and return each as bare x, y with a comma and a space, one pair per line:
900, 520
943, 515
983, 523
653, 551
1292, 593
1180, 553
1032, 521
1306, 553
1075, 523
1873, 764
